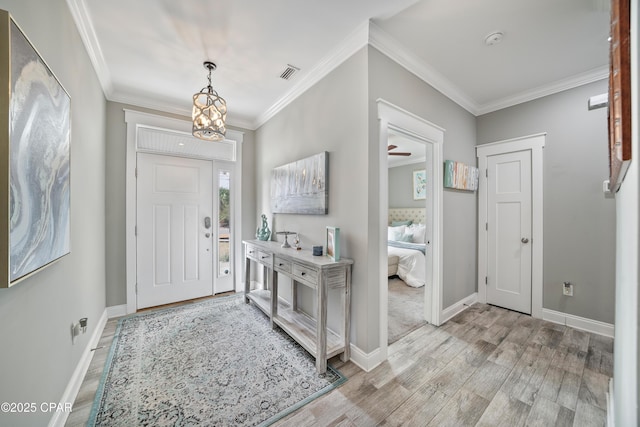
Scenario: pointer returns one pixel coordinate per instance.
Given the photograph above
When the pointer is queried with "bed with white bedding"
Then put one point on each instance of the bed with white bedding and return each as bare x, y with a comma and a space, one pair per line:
406, 248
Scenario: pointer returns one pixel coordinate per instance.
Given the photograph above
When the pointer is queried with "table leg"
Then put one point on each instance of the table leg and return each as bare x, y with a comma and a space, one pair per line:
274, 297
294, 295
347, 315
247, 279
321, 325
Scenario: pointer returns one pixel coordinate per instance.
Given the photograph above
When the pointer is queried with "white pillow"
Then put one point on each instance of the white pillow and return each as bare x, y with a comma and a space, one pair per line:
394, 233
418, 231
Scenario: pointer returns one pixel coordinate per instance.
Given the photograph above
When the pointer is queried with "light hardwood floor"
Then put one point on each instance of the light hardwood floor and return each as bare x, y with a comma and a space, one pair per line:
487, 367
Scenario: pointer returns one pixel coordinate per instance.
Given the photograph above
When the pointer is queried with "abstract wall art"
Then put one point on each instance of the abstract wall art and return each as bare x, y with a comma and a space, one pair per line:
301, 187
35, 163
460, 176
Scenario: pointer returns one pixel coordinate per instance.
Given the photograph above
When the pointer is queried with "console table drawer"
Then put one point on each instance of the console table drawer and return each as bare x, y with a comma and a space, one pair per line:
252, 253
282, 265
265, 258
304, 274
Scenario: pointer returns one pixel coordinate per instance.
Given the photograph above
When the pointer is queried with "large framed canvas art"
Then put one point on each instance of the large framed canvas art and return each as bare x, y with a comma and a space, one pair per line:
301, 187
34, 159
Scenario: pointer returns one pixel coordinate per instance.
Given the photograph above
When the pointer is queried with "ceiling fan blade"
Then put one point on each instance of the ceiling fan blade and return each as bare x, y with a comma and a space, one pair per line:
391, 147
399, 154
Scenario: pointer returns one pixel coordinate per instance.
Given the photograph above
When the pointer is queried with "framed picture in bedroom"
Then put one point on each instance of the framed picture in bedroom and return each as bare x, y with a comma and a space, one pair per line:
333, 243
420, 184
34, 159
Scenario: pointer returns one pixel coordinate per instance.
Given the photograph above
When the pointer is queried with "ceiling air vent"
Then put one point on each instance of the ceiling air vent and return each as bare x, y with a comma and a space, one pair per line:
289, 72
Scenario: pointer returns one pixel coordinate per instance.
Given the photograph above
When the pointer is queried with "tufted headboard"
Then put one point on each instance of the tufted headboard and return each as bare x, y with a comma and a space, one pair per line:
417, 215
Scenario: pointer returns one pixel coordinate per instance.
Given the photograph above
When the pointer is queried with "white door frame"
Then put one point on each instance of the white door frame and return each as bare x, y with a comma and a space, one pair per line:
392, 117
134, 120
535, 144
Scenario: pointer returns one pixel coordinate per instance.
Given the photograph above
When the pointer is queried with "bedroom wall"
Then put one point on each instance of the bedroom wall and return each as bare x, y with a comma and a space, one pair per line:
37, 357
579, 220
330, 116
401, 187
116, 138
395, 84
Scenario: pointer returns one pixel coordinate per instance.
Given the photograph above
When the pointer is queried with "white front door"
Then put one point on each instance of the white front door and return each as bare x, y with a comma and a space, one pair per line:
509, 230
175, 228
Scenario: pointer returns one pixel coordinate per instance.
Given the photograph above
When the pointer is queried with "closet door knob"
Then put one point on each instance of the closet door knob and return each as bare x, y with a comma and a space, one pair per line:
524, 240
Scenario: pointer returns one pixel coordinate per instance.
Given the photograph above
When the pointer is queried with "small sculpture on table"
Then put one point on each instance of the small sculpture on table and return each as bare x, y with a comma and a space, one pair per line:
296, 241
286, 244
263, 232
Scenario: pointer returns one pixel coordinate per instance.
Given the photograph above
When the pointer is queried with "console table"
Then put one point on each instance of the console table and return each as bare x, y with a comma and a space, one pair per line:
317, 272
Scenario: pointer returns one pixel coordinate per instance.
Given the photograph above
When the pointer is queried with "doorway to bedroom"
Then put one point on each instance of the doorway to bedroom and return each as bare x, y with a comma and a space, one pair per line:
394, 120
407, 232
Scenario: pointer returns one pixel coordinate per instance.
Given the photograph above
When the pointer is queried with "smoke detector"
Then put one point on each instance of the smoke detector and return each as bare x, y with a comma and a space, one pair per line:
494, 38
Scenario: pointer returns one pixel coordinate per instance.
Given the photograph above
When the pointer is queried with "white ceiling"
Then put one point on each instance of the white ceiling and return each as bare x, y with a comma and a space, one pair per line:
150, 52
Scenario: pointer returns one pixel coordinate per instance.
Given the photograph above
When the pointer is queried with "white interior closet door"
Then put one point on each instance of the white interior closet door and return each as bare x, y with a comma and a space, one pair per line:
509, 231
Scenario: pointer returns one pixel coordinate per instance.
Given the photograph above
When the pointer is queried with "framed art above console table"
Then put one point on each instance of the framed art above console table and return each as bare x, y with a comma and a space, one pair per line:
301, 187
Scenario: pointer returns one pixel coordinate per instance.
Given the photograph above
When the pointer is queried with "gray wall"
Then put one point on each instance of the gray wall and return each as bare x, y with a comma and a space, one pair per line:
579, 220
390, 81
330, 116
116, 137
346, 100
37, 358
401, 187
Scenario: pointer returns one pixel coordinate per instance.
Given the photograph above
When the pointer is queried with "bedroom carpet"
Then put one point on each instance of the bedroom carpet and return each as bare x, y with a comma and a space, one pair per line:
405, 309
216, 362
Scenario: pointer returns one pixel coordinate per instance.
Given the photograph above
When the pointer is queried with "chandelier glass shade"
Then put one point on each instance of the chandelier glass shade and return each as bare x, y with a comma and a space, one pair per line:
209, 112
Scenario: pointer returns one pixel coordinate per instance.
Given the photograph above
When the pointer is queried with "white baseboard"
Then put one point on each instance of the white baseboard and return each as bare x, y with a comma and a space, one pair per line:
458, 307
365, 361
59, 418
116, 311
582, 323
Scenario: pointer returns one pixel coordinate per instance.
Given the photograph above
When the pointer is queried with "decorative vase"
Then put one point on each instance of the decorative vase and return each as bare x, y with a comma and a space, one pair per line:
263, 232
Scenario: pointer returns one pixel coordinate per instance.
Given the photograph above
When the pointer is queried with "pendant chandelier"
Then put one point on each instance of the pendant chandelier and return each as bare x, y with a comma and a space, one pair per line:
209, 111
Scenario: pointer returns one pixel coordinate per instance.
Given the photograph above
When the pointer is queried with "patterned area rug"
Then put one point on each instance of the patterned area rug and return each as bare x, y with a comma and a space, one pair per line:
213, 363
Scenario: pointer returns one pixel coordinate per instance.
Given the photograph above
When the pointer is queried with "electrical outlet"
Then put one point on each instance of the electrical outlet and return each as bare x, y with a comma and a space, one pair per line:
567, 289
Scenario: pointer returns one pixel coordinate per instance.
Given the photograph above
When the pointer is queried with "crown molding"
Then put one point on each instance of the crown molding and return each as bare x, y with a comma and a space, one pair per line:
395, 50
354, 42
550, 89
82, 18
367, 33
399, 53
